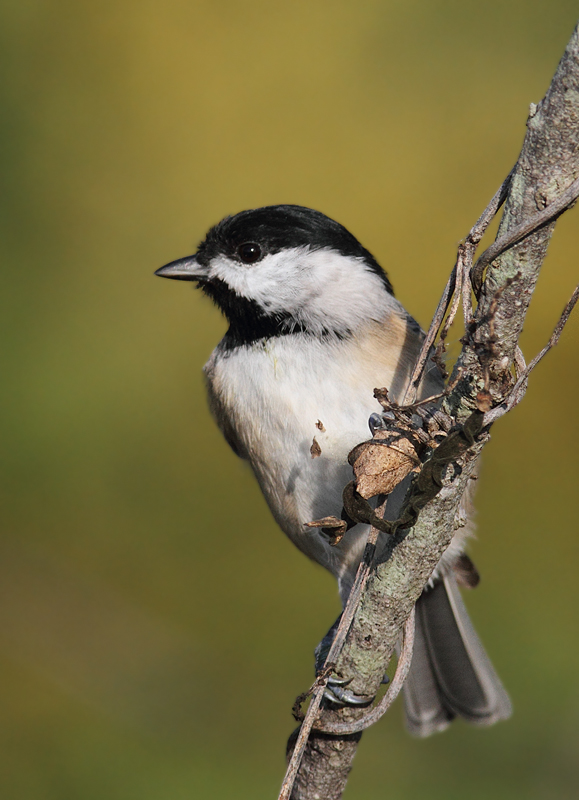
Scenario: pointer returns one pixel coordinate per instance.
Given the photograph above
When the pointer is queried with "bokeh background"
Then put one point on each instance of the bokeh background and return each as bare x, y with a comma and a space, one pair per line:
155, 627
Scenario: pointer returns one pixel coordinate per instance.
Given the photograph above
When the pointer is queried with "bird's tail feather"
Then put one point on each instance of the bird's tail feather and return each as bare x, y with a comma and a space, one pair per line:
451, 674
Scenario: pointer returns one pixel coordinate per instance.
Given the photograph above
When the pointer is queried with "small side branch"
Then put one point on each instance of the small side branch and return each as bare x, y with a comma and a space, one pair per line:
457, 288
520, 232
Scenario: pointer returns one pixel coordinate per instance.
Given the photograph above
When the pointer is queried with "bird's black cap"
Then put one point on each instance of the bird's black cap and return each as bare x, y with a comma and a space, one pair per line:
277, 228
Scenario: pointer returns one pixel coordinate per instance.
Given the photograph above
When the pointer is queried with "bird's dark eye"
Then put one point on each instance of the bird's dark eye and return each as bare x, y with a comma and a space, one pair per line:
249, 252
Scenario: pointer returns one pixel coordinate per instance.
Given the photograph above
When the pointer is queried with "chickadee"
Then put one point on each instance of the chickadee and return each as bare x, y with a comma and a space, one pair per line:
314, 327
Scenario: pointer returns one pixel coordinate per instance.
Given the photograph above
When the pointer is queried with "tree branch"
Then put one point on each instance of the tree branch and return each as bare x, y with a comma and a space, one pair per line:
541, 186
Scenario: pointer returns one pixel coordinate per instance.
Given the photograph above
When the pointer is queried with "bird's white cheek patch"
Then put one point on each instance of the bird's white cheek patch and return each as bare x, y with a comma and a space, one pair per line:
272, 282
319, 289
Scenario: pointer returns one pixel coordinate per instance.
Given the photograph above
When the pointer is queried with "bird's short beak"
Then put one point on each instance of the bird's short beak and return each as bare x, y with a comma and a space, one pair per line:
184, 269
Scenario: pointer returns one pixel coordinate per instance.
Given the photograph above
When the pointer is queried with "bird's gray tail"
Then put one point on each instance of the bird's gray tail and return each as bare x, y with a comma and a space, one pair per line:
451, 674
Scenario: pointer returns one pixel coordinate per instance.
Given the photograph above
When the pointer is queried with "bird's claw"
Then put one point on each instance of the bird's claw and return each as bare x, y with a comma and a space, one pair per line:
335, 681
335, 691
379, 422
337, 694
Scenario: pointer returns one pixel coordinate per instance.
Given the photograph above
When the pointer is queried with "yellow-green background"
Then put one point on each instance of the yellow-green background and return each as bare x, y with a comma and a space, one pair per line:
155, 627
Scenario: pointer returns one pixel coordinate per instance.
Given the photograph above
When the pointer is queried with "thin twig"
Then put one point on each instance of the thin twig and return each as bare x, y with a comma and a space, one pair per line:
519, 362
455, 301
521, 231
441, 346
478, 230
439, 314
317, 691
430, 399
472, 241
556, 335
467, 291
374, 714
454, 284
300, 746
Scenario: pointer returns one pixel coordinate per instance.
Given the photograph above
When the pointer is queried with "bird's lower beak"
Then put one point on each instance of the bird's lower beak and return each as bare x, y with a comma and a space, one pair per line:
184, 269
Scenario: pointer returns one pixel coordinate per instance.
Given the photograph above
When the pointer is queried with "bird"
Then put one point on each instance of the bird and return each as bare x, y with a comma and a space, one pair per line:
314, 328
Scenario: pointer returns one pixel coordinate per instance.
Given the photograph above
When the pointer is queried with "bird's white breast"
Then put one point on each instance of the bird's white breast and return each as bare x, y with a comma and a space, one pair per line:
274, 397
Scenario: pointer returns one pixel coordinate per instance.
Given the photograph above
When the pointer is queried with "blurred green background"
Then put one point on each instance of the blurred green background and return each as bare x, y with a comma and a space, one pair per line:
155, 627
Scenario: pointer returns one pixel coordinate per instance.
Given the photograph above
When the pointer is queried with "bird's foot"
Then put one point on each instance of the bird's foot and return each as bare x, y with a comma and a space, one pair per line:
338, 695
379, 422
336, 691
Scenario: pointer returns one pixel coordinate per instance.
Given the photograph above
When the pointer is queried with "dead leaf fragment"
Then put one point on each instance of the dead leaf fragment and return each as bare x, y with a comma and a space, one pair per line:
315, 449
380, 464
333, 527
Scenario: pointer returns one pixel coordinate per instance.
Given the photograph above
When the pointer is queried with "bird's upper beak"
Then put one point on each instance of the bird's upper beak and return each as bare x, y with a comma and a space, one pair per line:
184, 269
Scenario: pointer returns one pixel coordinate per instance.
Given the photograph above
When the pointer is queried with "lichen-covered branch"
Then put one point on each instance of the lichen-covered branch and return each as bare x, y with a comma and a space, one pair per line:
547, 166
